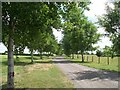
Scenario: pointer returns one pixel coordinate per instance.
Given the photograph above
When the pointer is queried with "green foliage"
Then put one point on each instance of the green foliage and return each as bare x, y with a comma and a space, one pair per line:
32, 25
23, 24
108, 51
79, 33
98, 53
111, 23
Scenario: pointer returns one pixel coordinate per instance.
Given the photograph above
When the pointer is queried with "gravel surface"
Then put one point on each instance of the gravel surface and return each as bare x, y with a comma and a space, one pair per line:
86, 77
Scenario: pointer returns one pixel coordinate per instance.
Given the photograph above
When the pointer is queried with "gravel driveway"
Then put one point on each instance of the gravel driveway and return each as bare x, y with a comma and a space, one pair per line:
86, 77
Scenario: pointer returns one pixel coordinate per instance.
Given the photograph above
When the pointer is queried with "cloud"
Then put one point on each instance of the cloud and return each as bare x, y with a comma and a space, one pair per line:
97, 8
2, 48
58, 34
105, 41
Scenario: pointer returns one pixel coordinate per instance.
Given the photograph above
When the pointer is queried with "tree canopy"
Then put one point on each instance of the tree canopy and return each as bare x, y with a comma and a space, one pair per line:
30, 25
111, 22
23, 25
79, 33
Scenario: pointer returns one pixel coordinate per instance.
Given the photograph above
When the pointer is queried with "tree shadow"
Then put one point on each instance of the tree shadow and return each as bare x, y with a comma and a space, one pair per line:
22, 63
60, 58
43, 61
60, 61
34, 58
17, 63
68, 61
96, 75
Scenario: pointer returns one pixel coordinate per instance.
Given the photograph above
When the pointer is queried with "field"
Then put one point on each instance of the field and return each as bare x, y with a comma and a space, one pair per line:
103, 65
40, 74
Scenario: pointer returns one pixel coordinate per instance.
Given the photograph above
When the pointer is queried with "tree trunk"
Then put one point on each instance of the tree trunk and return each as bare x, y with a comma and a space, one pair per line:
69, 56
92, 58
82, 58
16, 56
41, 54
72, 56
48, 54
98, 60
32, 56
118, 59
77, 55
108, 60
10, 78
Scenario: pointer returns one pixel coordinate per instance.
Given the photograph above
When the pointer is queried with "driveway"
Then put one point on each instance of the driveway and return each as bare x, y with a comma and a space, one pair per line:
86, 77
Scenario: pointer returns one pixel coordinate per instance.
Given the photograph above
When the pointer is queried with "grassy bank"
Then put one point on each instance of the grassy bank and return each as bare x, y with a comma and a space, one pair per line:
40, 74
103, 65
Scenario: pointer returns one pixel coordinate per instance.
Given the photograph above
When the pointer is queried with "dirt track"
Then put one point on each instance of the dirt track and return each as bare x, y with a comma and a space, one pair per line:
85, 77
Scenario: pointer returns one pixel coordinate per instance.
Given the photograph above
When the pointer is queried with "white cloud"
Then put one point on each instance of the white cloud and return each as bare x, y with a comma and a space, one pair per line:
2, 48
105, 41
26, 50
58, 34
101, 31
97, 8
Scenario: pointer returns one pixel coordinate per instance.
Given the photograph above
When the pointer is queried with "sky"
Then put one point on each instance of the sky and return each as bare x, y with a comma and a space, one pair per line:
97, 8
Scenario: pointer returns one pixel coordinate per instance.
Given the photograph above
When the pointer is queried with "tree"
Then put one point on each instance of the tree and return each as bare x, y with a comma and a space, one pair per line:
99, 54
18, 29
79, 33
111, 22
88, 36
108, 51
9, 24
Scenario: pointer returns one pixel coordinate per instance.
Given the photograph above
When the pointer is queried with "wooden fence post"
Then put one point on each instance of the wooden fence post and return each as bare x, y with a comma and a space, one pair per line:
108, 60
92, 58
98, 60
87, 58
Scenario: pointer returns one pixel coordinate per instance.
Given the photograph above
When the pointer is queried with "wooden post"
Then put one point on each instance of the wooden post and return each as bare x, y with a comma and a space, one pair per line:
92, 58
118, 58
87, 58
82, 58
108, 60
98, 60
72, 56
77, 55
31, 55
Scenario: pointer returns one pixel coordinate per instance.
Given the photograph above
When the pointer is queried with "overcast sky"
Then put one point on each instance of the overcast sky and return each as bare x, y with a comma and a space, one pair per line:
97, 8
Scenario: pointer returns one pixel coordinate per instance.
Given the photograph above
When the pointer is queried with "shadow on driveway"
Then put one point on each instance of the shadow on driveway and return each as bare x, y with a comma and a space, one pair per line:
96, 75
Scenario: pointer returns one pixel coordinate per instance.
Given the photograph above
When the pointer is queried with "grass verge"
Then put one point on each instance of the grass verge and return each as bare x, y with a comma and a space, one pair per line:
36, 75
113, 63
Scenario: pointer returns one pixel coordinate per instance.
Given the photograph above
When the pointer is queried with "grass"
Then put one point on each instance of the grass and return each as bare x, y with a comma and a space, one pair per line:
113, 63
36, 75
